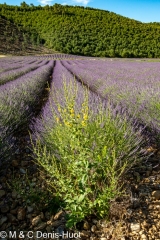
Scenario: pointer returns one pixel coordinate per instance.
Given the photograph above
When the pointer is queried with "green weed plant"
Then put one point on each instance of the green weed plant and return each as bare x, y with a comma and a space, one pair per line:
86, 153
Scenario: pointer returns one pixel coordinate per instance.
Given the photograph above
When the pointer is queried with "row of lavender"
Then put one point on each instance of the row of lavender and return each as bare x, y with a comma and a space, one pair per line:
18, 99
135, 85
14, 70
58, 56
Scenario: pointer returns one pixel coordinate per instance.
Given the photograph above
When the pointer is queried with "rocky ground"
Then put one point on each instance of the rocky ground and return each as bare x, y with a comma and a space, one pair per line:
25, 203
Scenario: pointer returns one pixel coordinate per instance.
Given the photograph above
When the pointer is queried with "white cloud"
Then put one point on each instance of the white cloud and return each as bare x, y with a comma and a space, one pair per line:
45, 2
70, 2
84, 2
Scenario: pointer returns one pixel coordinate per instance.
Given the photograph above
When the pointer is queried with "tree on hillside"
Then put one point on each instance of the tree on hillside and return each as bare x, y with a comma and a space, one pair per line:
24, 5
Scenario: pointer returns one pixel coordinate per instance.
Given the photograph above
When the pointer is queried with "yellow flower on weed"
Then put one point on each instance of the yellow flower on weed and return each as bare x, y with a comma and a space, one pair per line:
67, 123
57, 120
85, 117
83, 123
72, 111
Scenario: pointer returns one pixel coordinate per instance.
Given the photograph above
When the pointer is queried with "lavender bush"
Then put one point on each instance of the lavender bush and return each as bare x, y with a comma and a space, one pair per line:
18, 99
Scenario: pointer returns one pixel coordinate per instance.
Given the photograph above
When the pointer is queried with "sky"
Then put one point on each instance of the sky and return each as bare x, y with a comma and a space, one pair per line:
141, 10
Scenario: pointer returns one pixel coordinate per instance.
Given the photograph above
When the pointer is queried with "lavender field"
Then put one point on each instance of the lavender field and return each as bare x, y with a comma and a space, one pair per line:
134, 84
78, 109
130, 85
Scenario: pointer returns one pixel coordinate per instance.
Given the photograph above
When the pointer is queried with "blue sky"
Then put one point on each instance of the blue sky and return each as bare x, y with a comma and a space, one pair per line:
141, 10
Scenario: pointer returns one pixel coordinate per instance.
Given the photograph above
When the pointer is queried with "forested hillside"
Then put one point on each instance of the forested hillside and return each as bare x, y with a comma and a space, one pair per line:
86, 31
16, 40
